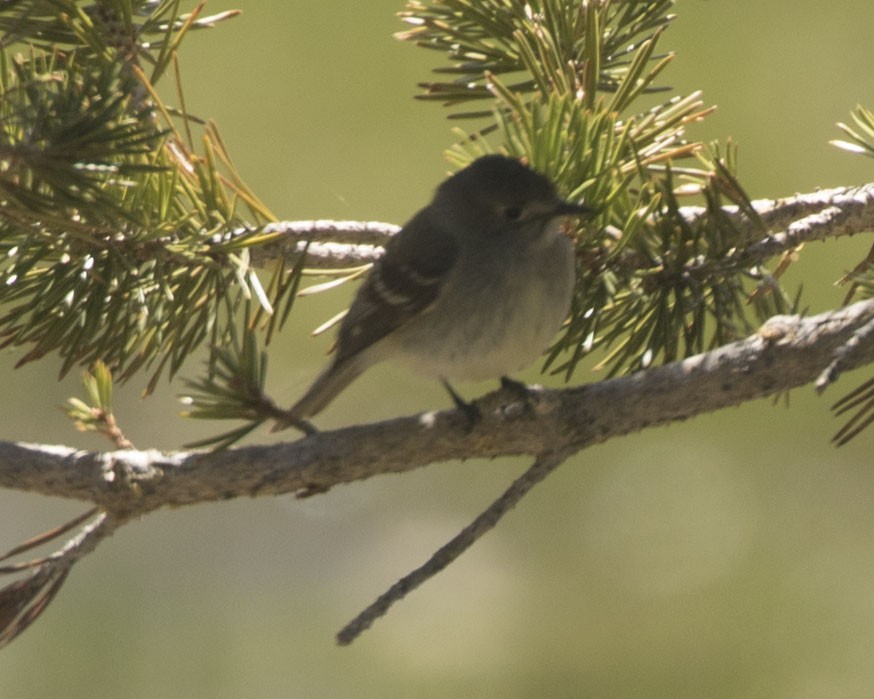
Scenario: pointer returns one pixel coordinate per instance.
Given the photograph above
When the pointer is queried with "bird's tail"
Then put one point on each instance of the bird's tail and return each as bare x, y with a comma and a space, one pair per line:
324, 389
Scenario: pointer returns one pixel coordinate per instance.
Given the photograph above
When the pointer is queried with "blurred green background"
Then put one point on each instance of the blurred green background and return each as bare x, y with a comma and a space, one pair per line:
730, 556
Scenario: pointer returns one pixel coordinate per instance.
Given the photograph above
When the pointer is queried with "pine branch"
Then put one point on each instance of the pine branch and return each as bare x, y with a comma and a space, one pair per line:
552, 44
110, 226
787, 352
802, 218
122, 244
744, 239
332, 244
159, 260
790, 222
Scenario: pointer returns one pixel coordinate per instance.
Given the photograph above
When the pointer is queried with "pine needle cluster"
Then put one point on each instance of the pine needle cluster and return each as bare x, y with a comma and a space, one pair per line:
125, 239
114, 223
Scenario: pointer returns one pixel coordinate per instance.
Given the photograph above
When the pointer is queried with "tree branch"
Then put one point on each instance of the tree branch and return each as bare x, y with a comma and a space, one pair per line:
787, 352
794, 220
331, 242
542, 467
803, 218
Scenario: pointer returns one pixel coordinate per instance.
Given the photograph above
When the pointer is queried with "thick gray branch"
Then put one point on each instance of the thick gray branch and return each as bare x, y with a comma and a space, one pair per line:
787, 352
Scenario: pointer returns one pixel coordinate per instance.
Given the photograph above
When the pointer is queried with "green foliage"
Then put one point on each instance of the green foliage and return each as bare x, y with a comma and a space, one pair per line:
134, 31
555, 45
675, 290
861, 278
119, 242
232, 390
653, 284
98, 386
125, 243
862, 136
860, 401
96, 415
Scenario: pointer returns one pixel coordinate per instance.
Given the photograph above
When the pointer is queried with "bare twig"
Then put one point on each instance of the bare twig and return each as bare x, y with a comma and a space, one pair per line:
23, 601
539, 470
41, 539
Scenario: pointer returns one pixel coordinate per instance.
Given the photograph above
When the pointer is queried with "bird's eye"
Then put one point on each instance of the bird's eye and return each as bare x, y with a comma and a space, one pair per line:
512, 213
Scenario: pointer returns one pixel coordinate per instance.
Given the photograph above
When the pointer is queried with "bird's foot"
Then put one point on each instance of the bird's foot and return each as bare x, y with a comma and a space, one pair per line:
521, 390
471, 413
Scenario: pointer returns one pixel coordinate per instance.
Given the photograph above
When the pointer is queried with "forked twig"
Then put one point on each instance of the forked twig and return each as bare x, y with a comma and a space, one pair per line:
22, 601
42, 539
858, 342
545, 464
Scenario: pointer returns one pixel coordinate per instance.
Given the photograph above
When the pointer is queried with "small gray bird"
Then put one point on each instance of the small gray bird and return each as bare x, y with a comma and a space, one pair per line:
473, 287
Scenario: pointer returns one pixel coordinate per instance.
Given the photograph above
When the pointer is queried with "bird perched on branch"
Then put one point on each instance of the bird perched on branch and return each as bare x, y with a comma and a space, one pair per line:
473, 287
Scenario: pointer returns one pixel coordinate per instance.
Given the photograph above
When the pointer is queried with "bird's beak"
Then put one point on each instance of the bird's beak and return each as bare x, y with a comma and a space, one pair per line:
566, 208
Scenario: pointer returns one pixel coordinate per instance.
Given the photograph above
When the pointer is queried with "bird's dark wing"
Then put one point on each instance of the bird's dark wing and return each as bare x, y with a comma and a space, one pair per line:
403, 283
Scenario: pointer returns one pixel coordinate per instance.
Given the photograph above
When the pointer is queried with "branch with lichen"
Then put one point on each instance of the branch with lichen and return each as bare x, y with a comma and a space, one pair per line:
787, 352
